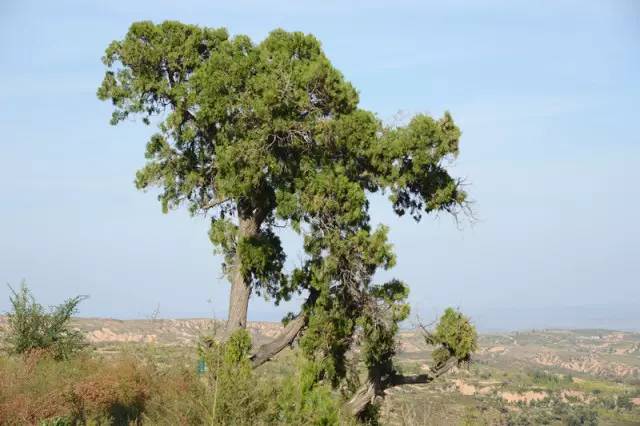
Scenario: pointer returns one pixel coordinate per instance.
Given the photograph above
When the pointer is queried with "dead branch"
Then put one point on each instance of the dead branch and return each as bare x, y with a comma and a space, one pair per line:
374, 389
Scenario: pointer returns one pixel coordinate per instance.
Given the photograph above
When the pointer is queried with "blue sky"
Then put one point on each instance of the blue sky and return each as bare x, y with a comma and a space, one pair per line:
546, 94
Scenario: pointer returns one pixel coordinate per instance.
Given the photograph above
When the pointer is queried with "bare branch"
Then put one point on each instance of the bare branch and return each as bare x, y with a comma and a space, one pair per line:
399, 379
274, 347
215, 203
364, 396
374, 389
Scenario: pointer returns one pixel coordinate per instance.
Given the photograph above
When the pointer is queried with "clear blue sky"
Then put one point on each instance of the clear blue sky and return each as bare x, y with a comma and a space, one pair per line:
547, 94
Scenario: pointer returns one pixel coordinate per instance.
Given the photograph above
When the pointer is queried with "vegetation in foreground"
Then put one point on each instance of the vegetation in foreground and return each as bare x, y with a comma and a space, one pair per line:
157, 383
34, 329
131, 388
51, 377
40, 384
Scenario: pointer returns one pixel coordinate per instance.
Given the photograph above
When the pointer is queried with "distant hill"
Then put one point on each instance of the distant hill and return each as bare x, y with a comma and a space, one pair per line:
597, 351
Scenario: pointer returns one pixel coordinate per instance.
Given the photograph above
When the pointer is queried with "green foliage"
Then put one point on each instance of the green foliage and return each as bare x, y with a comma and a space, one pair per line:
262, 260
259, 131
624, 402
552, 411
261, 135
416, 174
223, 234
549, 380
328, 338
302, 400
233, 394
380, 326
33, 328
581, 416
455, 335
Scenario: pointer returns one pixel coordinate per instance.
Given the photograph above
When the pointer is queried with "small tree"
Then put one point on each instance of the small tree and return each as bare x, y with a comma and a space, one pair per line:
455, 337
32, 327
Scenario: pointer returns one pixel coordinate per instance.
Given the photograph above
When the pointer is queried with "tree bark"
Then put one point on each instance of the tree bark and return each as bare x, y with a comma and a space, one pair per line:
238, 302
288, 335
364, 396
267, 351
240, 286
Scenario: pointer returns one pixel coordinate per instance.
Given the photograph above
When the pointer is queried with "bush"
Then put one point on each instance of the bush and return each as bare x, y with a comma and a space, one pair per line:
32, 328
456, 336
236, 394
552, 412
77, 391
582, 416
133, 389
302, 400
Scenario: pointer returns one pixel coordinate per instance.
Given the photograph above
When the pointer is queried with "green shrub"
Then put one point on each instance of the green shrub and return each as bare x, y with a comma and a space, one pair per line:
33, 328
80, 390
455, 335
234, 394
302, 399
581, 416
136, 389
552, 412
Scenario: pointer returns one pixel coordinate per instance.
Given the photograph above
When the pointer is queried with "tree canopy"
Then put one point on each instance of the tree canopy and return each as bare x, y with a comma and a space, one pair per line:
269, 134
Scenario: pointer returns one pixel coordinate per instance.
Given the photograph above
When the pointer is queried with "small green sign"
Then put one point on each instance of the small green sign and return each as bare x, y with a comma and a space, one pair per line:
202, 366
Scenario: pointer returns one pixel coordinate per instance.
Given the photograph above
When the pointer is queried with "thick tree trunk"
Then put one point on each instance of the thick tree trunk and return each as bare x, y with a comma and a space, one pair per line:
240, 287
238, 302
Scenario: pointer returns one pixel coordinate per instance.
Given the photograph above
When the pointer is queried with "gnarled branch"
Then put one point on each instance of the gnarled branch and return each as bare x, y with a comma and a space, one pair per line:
374, 389
293, 328
284, 339
364, 396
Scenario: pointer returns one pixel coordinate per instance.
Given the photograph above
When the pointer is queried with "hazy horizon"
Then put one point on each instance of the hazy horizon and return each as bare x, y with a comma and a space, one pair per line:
546, 98
487, 320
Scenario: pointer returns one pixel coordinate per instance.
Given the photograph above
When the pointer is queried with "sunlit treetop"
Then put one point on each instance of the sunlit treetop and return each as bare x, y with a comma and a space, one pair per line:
250, 133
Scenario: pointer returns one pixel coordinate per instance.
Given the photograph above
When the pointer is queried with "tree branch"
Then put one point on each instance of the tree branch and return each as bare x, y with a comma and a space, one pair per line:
215, 203
364, 396
399, 379
288, 335
267, 351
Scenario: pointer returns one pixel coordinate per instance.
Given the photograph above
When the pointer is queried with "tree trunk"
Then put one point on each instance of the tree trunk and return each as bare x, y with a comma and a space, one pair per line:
238, 302
240, 286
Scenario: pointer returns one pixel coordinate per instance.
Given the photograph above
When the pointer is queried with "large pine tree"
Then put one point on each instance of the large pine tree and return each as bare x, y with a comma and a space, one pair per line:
262, 135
